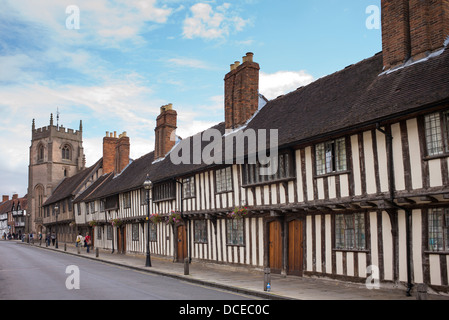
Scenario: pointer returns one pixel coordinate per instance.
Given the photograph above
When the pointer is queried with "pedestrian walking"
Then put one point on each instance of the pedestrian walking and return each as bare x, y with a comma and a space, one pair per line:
79, 240
53, 238
87, 241
40, 238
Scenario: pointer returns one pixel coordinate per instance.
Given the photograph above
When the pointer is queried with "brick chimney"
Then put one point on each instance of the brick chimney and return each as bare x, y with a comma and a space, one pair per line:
109, 146
15, 196
241, 92
122, 153
5, 198
166, 124
413, 29
115, 152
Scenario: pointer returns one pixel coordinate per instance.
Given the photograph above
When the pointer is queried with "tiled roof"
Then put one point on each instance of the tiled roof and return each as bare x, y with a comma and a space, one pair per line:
69, 186
356, 96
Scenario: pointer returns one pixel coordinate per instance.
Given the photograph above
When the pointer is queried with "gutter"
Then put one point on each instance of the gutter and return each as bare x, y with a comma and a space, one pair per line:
407, 211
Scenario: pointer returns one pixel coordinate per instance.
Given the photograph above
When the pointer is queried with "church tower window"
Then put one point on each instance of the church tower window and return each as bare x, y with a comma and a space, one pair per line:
66, 153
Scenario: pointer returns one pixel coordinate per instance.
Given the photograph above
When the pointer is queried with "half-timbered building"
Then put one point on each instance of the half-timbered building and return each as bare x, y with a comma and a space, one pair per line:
362, 171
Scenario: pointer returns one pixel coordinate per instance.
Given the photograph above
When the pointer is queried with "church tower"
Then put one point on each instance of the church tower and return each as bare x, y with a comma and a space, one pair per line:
55, 153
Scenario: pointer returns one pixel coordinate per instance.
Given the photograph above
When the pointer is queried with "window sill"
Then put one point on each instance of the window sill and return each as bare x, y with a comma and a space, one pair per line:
331, 174
436, 252
223, 192
437, 156
352, 250
161, 200
265, 183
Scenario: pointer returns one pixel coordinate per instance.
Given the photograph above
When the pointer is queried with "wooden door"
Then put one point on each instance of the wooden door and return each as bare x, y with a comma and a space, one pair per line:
295, 248
275, 247
121, 239
182, 244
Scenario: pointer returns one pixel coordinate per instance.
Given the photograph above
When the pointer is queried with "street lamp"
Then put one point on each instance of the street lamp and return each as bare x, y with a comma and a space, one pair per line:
148, 185
56, 235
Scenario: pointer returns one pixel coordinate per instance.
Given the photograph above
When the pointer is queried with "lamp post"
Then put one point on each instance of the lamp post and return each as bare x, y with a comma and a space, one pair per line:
148, 185
56, 235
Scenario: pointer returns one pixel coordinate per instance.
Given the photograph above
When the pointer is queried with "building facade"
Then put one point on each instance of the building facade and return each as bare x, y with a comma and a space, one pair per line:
13, 216
362, 171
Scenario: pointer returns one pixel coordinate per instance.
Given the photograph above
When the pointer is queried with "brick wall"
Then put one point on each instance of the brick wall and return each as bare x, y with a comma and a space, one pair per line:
109, 146
413, 29
395, 32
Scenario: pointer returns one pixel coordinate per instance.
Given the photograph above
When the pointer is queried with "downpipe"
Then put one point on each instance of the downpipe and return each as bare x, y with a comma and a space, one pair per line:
407, 211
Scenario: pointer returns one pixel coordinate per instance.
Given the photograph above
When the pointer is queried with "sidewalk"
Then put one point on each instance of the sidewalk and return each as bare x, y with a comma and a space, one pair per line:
241, 280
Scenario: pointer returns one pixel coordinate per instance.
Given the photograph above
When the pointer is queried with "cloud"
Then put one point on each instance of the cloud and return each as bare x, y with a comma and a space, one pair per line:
207, 23
12, 68
190, 63
282, 82
102, 22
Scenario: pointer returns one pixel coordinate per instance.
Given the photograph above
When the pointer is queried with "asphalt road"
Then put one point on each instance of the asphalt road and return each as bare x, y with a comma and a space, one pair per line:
28, 273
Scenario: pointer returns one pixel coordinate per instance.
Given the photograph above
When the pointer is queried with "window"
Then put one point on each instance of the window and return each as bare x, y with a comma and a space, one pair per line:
102, 205
437, 133
153, 232
92, 207
164, 191
330, 156
251, 172
66, 153
87, 208
111, 202
109, 233
439, 229
135, 231
235, 232
223, 180
350, 231
188, 186
40, 153
200, 231
40, 199
99, 232
127, 200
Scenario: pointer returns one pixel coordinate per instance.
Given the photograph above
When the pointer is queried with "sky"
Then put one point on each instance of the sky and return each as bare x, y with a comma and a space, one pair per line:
114, 63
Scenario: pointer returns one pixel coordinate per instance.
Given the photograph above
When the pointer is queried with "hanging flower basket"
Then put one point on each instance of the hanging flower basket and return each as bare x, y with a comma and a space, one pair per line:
174, 217
93, 223
117, 222
155, 218
238, 213
72, 224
